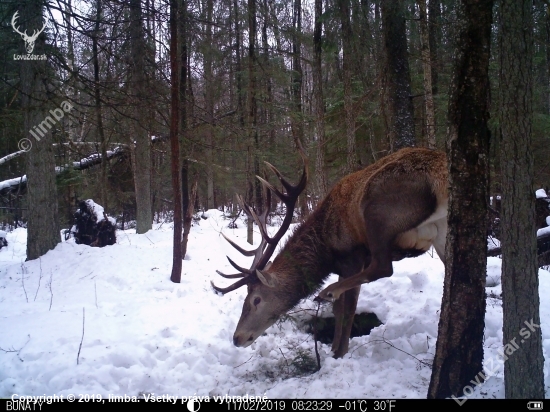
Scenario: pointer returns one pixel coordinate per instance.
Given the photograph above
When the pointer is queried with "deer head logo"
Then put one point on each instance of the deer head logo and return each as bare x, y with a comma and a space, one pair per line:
29, 40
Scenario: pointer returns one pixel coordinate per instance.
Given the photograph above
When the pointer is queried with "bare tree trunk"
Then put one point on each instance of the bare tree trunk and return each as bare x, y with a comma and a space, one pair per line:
398, 76
188, 218
142, 162
187, 202
209, 101
459, 350
296, 116
174, 142
319, 101
72, 125
427, 68
104, 183
42, 224
524, 361
252, 114
347, 66
435, 34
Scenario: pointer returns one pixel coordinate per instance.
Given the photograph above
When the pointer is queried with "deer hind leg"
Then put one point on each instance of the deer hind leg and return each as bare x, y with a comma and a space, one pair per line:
344, 312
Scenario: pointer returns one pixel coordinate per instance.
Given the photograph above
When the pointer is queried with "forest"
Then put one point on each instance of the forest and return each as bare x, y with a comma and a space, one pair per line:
151, 128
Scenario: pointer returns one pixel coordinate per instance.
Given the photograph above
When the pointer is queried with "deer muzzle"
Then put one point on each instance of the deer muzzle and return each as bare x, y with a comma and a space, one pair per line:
243, 340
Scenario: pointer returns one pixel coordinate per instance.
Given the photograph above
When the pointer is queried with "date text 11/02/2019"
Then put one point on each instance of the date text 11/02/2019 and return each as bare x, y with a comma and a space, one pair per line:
312, 405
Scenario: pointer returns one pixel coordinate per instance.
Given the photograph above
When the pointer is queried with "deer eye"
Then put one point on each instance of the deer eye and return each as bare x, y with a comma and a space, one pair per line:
257, 301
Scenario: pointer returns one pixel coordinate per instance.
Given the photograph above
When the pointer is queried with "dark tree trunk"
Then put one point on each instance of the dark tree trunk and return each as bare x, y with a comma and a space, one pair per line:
297, 80
427, 69
347, 68
401, 124
42, 225
142, 151
104, 183
434, 17
524, 361
319, 101
209, 103
174, 141
187, 203
253, 189
459, 349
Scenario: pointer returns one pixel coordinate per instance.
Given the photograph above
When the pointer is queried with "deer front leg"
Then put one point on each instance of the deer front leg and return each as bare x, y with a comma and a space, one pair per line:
379, 267
344, 312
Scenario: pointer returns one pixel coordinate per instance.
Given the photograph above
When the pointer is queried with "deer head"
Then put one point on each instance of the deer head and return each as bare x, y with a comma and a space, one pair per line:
29, 40
264, 303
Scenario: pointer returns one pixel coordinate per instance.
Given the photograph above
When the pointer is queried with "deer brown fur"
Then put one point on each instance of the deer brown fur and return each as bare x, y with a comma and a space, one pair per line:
393, 209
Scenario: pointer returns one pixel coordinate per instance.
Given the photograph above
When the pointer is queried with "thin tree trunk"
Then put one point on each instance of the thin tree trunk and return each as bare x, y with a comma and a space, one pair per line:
459, 350
401, 127
209, 102
319, 101
524, 361
427, 68
187, 203
296, 116
174, 142
347, 66
42, 212
104, 183
142, 162
252, 115
434, 30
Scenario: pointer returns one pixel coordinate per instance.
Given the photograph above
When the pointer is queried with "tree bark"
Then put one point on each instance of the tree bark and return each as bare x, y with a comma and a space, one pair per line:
42, 213
434, 30
142, 151
427, 68
524, 361
319, 101
209, 102
187, 203
347, 68
459, 350
104, 183
401, 125
252, 116
174, 142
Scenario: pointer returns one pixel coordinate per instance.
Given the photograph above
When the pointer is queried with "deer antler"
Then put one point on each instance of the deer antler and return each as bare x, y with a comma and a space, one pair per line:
267, 246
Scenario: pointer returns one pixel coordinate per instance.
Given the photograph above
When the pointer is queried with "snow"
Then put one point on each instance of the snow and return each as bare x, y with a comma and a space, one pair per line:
144, 334
99, 212
12, 182
541, 193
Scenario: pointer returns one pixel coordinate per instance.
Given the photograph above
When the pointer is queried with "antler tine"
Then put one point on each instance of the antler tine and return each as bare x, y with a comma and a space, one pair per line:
247, 272
237, 275
267, 246
234, 286
289, 200
240, 249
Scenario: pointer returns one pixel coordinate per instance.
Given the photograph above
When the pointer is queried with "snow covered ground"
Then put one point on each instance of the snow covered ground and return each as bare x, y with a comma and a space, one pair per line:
144, 334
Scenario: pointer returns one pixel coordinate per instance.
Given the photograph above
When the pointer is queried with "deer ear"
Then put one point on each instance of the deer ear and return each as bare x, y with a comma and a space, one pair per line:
266, 278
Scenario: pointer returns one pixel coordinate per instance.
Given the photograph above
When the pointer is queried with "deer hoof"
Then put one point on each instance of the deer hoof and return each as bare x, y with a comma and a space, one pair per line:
325, 296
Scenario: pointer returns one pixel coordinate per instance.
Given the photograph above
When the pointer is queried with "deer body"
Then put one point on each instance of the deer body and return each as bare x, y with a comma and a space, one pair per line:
393, 209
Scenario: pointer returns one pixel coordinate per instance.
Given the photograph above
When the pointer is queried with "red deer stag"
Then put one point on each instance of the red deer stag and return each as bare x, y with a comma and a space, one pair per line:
390, 210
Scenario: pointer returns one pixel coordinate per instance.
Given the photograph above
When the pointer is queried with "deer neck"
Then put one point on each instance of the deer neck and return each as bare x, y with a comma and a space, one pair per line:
305, 261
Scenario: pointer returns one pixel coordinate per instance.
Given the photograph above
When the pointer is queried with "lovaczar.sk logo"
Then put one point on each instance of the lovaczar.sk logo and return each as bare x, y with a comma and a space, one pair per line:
29, 41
